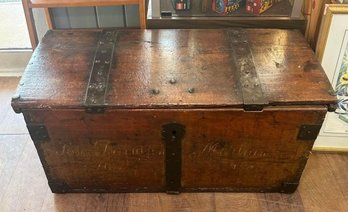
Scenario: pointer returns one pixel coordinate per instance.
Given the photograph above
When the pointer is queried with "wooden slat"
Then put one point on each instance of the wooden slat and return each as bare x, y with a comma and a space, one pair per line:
18, 195
339, 165
319, 188
48, 18
28, 12
131, 15
142, 14
11, 149
79, 3
82, 17
110, 16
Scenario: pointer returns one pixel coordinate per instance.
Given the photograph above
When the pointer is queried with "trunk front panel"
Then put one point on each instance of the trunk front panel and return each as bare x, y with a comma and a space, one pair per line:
222, 149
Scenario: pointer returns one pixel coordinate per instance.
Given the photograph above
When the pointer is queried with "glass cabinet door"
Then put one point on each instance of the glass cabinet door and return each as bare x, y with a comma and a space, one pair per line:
227, 8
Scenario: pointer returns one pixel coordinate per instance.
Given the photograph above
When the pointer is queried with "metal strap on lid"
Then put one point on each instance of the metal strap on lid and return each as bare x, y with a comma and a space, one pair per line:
99, 77
249, 82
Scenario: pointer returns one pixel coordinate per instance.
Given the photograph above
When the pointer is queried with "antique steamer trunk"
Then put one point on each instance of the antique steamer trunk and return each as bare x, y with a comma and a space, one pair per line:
173, 110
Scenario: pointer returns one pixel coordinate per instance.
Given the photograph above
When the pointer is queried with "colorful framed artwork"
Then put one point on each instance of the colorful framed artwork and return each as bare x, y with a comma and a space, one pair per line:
332, 51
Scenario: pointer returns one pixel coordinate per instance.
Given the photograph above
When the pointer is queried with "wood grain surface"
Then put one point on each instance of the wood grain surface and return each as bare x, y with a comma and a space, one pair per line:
147, 60
23, 185
221, 150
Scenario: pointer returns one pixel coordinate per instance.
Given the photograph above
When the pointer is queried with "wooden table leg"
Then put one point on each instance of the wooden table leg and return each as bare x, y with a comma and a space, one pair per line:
48, 18
28, 12
142, 14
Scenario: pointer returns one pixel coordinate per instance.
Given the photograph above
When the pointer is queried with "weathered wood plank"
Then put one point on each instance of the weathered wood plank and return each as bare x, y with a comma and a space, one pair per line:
82, 17
319, 188
11, 149
25, 190
110, 16
213, 158
339, 167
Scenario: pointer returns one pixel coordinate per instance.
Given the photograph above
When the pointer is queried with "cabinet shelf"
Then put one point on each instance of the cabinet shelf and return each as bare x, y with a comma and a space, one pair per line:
282, 14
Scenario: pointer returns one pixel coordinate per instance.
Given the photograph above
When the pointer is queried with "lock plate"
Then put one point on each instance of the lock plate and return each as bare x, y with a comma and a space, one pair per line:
172, 135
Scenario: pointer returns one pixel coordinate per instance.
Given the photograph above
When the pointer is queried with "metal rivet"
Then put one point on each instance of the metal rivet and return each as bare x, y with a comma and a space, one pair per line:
107, 61
16, 96
247, 72
93, 100
92, 86
21, 84
100, 87
172, 81
97, 61
191, 90
277, 64
155, 91
100, 73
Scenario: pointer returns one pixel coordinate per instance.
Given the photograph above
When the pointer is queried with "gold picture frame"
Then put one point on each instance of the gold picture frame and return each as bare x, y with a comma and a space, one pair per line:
332, 52
329, 12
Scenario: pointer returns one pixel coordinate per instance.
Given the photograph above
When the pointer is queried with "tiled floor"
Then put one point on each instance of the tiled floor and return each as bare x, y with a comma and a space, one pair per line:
23, 185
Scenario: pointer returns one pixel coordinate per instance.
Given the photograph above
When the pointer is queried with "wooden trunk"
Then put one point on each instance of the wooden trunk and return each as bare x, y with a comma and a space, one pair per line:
173, 110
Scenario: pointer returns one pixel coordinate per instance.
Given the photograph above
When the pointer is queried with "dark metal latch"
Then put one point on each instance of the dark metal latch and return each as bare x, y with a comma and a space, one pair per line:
172, 135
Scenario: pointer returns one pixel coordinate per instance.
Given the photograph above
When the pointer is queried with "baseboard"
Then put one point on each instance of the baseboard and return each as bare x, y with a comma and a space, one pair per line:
330, 149
13, 62
331, 143
17, 72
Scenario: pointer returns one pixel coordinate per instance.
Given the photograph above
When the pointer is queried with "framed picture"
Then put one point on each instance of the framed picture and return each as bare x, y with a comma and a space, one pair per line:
332, 51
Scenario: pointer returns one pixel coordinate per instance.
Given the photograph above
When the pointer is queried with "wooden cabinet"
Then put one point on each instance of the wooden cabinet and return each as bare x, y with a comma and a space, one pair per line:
232, 13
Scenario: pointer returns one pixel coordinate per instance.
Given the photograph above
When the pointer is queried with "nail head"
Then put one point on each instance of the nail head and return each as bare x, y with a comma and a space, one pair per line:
172, 81
191, 90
